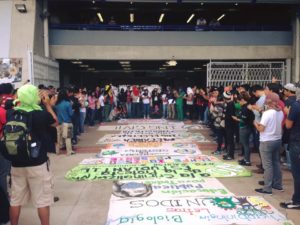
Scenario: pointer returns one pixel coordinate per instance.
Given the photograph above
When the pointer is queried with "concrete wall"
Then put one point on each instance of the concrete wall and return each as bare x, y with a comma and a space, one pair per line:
117, 45
167, 52
5, 27
170, 38
39, 30
22, 34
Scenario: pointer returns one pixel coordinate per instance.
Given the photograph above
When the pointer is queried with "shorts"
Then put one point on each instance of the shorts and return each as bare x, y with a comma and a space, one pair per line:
35, 183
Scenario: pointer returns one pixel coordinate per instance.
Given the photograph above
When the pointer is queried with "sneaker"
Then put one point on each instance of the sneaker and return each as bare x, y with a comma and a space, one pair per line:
227, 157
217, 152
241, 161
244, 163
262, 191
290, 205
278, 189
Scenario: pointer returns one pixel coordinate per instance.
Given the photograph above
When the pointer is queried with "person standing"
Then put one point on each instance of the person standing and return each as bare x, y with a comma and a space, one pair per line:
270, 128
146, 103
245, 118
229, 125
128, 102
293, 123
135, 95
64, 113
179, 104
33, 179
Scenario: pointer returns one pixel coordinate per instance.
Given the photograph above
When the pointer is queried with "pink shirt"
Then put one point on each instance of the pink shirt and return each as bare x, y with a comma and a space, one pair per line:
92, 102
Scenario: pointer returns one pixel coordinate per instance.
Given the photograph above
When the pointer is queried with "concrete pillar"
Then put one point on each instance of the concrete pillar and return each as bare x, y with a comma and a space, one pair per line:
46, 28
297, 51
22, 34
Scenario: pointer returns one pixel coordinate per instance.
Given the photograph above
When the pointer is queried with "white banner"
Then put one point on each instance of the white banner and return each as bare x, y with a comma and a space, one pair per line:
152, 159
141, 127
129, 189
221, 210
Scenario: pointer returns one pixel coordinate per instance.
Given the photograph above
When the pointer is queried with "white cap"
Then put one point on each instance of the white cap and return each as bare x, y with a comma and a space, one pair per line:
290, 87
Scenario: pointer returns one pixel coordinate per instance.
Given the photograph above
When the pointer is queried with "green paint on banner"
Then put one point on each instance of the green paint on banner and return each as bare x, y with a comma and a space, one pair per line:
157, 171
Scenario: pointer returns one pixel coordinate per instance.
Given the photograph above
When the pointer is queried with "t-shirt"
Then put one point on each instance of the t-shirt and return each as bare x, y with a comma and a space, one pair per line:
260, 103
101, 100
64, 112
272, 121
146, 99
41, 121
290, 101
294, 116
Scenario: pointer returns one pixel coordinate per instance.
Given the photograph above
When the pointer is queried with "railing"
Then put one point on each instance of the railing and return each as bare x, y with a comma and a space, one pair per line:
171, 27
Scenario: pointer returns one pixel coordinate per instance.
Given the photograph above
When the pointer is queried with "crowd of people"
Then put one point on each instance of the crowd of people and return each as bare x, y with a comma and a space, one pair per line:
260, 119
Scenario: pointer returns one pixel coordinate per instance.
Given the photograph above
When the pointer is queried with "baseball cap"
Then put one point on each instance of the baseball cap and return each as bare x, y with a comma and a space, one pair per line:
290, 87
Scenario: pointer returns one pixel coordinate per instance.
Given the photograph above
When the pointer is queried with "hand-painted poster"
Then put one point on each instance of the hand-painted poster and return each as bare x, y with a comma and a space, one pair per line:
156, 171
126, 189
10, 70
141, 127
183, 137
144, 121
138, 160
177, 145
204, 210
131, 152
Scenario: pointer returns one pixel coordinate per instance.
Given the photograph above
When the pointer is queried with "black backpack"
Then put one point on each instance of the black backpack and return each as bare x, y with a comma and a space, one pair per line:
17, 144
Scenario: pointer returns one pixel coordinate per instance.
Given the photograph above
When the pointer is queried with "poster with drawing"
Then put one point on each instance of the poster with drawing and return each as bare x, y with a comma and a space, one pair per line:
156, 171
204, 210
10, 70
129, 189
144, 159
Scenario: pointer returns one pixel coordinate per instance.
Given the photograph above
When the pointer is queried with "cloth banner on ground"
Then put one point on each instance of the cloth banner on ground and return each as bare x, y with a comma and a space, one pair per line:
126, 152
148, 159
142, 127
124, 189
145, 121
221, 210
145, 145
183, 137
156, 171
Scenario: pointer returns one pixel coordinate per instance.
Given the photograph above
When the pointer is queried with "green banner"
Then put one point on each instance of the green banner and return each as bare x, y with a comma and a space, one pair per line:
157, 171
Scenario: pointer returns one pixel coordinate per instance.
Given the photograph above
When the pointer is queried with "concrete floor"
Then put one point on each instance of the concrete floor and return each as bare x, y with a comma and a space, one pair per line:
87, 202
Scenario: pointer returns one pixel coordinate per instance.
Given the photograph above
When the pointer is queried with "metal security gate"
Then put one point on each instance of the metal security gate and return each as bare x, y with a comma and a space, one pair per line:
235, 73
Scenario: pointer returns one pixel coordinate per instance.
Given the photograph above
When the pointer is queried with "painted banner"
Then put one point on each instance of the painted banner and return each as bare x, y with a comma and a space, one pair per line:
126, 152
141, 127
156, 171
204, 210
125, 189
148, 159
177, 145
10, 70
144, 121
184, 137
150, 126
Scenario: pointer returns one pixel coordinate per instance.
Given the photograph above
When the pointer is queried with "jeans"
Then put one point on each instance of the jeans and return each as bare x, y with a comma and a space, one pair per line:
4, 172
230, 140
91, 116
165, 110
205, 118
135, 110
76, 126
288, 157
270, 155
245, 133
107, 109
294, 148
128, 108
146, 110
171, 111
220, 137
82, 119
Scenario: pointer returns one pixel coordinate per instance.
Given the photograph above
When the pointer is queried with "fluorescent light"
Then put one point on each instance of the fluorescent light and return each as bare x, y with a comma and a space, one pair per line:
236, 4
100, 17
131, 17
221, 17
124, 62
161, 17
91, 69
93, 1
191, 17
125, 65
76, 62
84, 65
202, 3
197, 68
